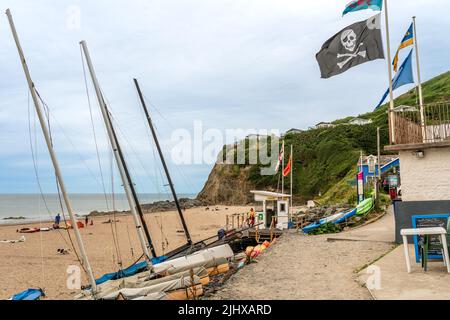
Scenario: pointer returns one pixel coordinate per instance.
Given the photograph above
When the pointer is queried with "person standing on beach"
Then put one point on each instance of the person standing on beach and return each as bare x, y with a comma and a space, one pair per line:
57, 221
252, 217
86, 221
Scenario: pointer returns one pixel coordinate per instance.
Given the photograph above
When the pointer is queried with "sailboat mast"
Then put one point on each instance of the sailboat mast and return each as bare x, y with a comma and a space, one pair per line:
128, 186
48, 141
163, 160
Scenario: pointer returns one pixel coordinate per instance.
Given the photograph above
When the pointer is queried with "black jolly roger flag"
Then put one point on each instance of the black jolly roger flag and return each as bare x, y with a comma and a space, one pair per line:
359, 43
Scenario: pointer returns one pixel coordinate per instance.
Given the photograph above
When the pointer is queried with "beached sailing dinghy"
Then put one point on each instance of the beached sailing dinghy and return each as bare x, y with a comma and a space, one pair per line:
181, 273
341, 217
180, 265
362, 209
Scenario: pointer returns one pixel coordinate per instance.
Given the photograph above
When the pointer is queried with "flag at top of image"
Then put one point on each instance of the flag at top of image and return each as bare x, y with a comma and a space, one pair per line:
356, 5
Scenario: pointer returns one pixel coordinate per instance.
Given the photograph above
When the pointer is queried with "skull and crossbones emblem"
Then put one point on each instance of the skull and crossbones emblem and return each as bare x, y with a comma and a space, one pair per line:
348, 40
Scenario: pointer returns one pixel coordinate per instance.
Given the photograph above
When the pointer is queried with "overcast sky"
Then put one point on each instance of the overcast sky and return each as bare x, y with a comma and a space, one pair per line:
230, 64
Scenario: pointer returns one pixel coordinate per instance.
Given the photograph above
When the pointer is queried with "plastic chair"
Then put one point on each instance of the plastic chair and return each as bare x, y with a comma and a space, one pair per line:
425, 245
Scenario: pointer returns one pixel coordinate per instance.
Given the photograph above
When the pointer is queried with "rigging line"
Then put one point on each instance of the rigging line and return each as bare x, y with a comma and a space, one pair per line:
130, 143
93, 127
113, 223
120, 261
111, 119
156, 183
47, 114
134, 152
157, 110
39, 203
114, 235
78, 153
180, 172
164, 239
133, 148
36, 171
133, 169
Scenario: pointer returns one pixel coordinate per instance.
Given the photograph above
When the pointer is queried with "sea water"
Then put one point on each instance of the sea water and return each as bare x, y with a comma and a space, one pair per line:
33, 207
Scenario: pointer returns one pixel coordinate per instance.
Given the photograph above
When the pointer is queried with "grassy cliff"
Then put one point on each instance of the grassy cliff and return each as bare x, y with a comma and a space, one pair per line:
324, 159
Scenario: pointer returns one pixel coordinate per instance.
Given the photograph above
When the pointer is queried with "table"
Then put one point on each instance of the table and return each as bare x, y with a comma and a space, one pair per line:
423, 232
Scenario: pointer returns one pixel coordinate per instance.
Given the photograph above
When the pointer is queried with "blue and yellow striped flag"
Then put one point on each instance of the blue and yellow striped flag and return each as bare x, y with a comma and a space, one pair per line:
408, 40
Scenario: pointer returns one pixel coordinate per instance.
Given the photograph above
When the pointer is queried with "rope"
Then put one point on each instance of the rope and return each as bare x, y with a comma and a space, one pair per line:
47, 114
185, 178
114, 235
39, 203
36, 171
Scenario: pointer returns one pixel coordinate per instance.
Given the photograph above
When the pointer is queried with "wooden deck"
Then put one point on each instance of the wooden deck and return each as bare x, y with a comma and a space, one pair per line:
265, 234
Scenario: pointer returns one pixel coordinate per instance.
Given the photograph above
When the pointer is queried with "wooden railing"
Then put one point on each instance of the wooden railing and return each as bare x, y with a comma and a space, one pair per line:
237, 221
406, 130
433, 126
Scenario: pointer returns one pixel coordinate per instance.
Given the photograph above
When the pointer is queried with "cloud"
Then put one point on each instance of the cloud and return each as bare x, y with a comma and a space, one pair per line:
230, 64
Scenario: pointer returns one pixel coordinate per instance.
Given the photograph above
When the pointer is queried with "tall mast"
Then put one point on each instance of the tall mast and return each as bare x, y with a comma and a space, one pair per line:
166, 170
128, 186
48, 141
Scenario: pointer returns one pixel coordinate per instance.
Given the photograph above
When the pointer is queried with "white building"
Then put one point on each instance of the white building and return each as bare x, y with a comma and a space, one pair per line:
272, 205
360, 122
324, 125
294, 131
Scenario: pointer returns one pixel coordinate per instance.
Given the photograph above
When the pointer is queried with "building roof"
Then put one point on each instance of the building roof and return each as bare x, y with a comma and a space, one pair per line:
360, 120
294, 130
404, 108
320, 123
270, 194
384, 159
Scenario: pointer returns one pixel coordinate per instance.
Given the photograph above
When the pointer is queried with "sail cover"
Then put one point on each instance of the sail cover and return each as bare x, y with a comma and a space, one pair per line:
29, 294
130, 271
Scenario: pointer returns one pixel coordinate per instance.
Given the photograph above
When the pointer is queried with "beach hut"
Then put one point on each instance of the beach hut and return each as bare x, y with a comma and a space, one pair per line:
272, 204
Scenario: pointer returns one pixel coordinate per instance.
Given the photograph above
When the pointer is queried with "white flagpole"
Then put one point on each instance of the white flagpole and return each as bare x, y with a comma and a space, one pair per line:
282, 172
422, 116
391, 91
292, 171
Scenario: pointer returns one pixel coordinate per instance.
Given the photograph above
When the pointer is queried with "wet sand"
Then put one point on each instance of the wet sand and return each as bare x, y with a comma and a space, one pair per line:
36, 263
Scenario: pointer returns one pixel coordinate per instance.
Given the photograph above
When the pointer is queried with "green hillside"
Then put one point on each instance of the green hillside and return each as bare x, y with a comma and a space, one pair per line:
325, 159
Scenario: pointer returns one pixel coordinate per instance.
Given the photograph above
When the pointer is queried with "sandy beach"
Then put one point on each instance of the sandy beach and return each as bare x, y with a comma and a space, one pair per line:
36, 263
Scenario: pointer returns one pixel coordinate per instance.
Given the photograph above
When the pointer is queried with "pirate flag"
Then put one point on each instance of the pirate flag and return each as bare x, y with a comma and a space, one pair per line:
359, 43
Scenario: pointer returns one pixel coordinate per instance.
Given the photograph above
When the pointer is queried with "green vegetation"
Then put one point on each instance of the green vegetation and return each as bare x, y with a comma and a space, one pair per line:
327, 228
325, 159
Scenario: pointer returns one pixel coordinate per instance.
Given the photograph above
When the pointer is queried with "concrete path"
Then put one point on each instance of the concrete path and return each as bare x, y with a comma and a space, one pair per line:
382, 230
323, 267
305, 267
387, 278
396, 284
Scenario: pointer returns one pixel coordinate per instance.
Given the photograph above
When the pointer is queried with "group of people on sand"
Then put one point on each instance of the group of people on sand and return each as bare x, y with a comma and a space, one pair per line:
58, 221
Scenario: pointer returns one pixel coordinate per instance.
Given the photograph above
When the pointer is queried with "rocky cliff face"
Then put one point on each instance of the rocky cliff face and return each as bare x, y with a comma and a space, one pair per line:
324, 159
228, 185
